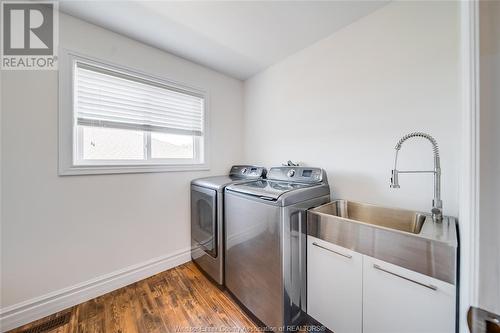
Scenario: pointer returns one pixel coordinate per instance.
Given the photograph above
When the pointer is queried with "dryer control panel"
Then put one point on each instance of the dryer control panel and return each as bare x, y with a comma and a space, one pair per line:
247, 171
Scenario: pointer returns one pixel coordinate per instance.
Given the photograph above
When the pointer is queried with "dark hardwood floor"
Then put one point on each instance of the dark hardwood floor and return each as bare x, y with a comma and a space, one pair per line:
181, 299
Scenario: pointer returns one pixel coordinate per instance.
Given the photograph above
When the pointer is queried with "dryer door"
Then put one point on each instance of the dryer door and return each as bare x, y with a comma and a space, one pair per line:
204, 218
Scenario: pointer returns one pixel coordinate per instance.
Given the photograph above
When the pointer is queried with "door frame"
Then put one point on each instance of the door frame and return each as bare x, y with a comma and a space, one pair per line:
469, 168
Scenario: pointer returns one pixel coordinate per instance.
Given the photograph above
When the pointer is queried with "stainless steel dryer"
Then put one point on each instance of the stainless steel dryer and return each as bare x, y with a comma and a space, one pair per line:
265, 260
207, 217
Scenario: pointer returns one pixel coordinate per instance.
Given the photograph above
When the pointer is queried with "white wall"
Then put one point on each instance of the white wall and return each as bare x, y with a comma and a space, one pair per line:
489, 225
60, 231
343, 103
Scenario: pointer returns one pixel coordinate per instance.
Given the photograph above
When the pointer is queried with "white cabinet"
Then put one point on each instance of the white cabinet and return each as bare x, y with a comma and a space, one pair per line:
352, 293
334, 286
398, 300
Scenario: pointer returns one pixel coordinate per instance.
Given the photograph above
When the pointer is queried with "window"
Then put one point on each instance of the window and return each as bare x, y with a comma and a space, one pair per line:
123, 121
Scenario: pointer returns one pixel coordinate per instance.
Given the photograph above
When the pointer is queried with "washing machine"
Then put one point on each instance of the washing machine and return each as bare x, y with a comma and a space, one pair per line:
265, 253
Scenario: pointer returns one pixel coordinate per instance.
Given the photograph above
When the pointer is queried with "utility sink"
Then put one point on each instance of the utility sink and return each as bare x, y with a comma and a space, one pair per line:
405, 238
392, 218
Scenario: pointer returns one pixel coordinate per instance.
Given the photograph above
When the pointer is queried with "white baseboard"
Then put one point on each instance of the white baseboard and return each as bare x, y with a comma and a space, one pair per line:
39, 307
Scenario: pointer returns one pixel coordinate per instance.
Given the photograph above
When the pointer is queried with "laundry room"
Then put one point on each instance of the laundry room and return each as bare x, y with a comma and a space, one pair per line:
241, 166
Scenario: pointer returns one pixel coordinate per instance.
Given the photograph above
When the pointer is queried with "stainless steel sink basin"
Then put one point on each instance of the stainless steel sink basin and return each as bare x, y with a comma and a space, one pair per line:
404, 238
392, 218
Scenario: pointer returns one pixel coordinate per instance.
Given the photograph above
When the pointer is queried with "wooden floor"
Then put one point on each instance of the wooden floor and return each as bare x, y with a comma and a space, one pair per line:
179, 300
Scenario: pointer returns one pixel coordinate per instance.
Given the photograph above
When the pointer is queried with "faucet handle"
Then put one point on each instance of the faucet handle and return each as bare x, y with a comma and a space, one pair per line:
437, 215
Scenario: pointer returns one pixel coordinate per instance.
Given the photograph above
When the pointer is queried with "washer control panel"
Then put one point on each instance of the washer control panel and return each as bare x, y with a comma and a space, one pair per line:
297, 174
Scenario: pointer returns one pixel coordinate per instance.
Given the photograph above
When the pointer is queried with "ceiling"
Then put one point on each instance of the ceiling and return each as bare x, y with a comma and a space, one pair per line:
238, 38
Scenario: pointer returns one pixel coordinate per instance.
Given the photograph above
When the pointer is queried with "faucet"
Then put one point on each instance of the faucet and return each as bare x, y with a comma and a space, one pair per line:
437, 204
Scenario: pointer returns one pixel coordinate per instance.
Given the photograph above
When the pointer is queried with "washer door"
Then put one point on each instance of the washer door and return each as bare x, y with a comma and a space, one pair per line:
204, 218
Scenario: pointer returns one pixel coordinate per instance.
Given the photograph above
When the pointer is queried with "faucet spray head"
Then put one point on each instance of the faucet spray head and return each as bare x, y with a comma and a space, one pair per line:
394, 179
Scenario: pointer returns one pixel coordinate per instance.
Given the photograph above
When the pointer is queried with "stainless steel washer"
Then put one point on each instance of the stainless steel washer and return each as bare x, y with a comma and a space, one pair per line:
207, 217
265, 254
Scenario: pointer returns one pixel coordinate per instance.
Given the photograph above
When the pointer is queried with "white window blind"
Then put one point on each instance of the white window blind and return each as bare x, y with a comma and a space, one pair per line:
108, 98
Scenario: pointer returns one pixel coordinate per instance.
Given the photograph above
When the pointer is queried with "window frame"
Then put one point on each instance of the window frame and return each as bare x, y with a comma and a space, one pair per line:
70, 162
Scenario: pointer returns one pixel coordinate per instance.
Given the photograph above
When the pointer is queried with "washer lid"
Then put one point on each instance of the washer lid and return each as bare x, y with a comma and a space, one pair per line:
267, 189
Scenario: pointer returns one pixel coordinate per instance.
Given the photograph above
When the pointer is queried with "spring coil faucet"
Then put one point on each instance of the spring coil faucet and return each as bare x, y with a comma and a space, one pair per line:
437, 204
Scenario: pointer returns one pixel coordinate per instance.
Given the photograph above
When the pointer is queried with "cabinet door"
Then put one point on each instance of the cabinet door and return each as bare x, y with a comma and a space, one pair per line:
398, 300
334, 286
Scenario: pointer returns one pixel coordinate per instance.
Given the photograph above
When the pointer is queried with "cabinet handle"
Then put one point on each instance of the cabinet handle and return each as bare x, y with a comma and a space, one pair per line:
430, 286
348, 256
